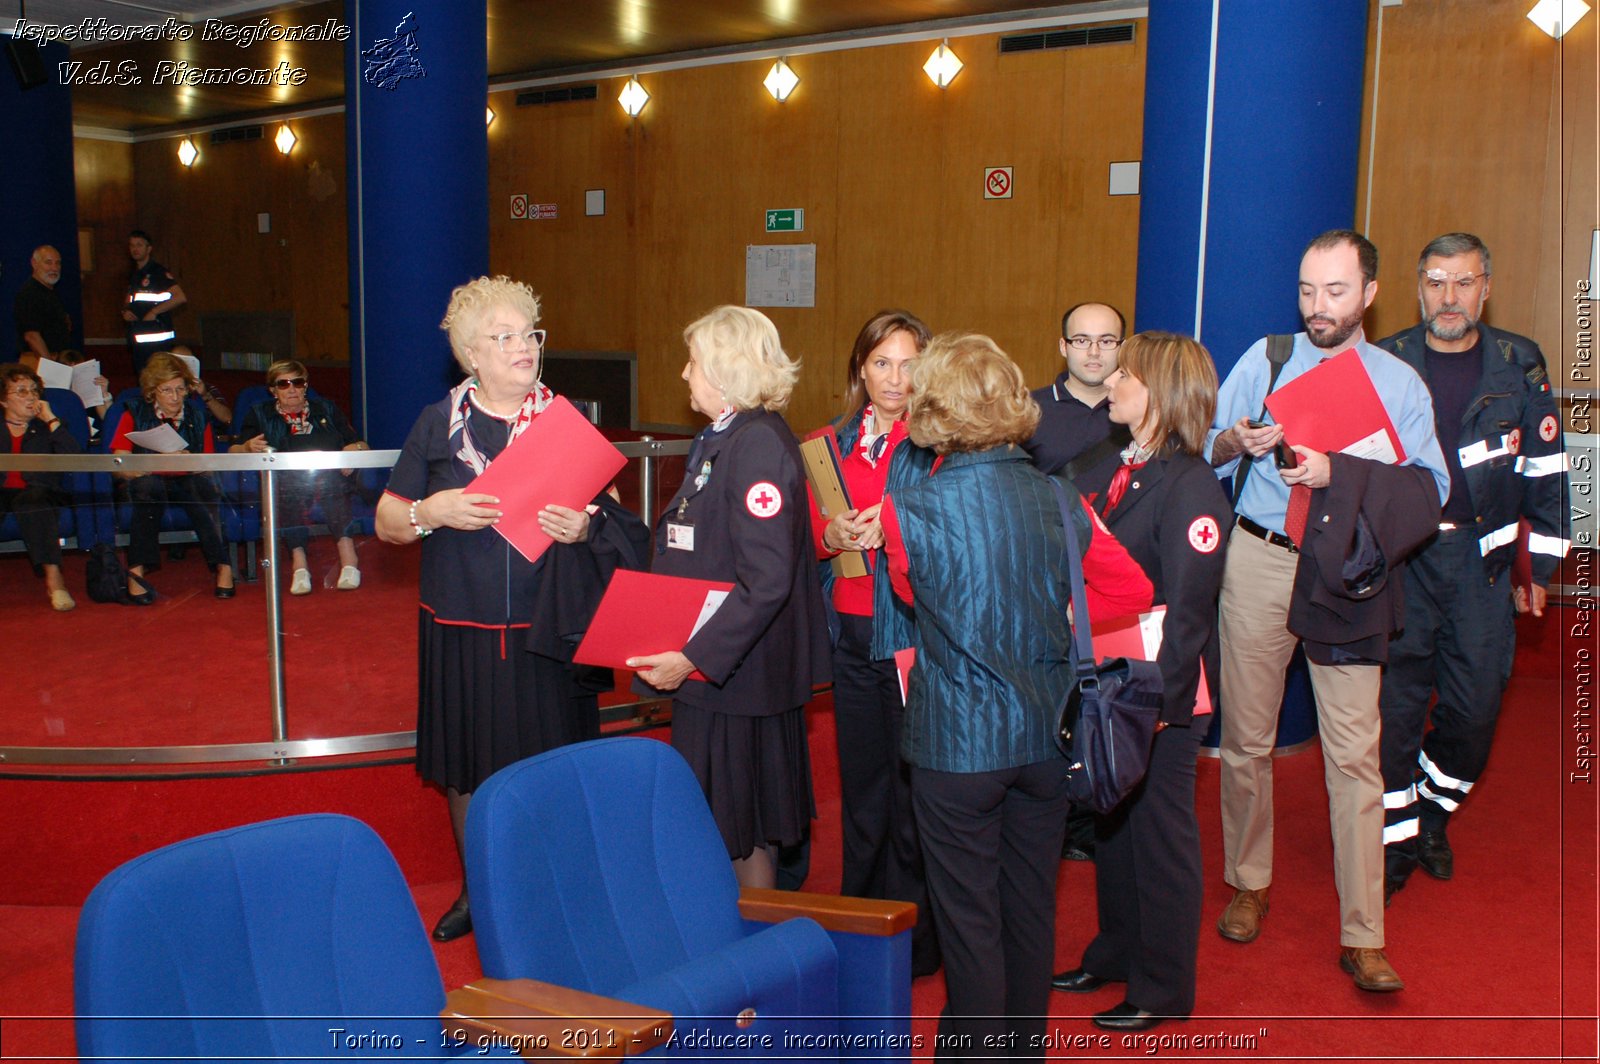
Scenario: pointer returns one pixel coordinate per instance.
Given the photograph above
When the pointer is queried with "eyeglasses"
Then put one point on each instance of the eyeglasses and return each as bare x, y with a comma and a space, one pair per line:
1104, 343
26, 392
531, 338
285, 383
174, 392
1436, 279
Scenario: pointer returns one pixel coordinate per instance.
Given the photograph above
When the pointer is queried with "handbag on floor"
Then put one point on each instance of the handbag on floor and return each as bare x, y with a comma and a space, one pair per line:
1109, 718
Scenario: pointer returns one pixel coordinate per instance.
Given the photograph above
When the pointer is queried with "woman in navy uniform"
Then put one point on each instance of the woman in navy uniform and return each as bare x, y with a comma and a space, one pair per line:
295, 420
741, 516
35, 497
879, 836
166, 384
1167, 507
494, 687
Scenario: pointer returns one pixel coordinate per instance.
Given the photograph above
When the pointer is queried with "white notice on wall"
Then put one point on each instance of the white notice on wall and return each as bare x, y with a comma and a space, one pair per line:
780, 275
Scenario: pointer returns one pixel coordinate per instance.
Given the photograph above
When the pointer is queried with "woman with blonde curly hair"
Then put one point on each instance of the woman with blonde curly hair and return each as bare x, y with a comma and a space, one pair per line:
741, 516
980, 551
492, 689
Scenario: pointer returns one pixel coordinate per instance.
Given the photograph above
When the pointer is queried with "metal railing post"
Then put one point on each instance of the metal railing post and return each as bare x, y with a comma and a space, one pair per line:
269, 564
647, 484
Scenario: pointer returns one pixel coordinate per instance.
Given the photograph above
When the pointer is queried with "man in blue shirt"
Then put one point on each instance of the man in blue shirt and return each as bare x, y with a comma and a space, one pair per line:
1338, 280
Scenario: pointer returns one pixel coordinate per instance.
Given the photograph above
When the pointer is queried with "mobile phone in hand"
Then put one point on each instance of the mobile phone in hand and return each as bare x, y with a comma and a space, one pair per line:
1284, 456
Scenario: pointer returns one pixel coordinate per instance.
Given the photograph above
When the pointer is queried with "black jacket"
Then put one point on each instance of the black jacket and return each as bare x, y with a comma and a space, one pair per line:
1348, 589
1174, 520
1512, 469
767, 646
39, 438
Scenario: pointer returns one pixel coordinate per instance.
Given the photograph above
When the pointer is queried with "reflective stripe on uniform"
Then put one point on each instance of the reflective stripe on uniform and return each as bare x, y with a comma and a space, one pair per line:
1550, 545
1498, 538
1449, 805
154, 337
1439, 776
1479, 452
1393, 833
1543, 465
1400, 799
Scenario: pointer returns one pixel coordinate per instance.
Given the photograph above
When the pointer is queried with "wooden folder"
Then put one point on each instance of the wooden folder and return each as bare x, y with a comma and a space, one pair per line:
823, 473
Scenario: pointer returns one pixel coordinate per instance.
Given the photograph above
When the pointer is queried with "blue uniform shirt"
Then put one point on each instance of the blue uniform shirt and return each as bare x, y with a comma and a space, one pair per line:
1405, 397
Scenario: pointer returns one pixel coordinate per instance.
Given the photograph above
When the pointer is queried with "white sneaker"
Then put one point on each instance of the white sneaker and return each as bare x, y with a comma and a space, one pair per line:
301, 584
349, 578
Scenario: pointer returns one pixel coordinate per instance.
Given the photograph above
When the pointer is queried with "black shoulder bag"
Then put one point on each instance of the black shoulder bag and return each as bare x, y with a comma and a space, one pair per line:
1109, 719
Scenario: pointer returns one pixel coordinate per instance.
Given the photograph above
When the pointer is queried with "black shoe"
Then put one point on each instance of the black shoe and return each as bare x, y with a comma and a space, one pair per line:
455, 923
225, 592
1434, 854
1078, 981
147, 597
1126, 1017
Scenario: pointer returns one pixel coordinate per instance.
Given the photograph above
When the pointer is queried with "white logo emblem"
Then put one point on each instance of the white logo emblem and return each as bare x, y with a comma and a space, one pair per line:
1203, 534
1514, 441
763, 499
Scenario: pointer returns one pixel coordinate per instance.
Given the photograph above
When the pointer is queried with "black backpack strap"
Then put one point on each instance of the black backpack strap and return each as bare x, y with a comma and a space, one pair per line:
1120, 437
1279, 347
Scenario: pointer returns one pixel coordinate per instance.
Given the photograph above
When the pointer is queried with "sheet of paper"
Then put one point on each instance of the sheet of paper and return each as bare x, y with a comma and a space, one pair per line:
55, 374
1378, 447
714, 601
83, 385
190, 361
163, 439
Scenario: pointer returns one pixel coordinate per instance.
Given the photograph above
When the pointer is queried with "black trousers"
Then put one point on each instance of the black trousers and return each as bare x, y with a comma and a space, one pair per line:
1148, 881
197, 493
879, 830
992, 846
1458, 643
37, 519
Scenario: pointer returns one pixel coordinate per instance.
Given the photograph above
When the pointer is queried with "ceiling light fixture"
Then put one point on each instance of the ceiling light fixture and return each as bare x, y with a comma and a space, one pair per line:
633, 97
781, 80
488, 116
1556, 17
285, 140
942, 66
187, 152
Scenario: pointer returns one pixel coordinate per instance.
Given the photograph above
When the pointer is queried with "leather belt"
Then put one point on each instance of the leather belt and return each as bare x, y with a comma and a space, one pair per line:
1277, 539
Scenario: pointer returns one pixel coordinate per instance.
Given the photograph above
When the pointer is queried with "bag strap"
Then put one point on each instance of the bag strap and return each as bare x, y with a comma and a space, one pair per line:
1080, 600
1279, 347
1119, 438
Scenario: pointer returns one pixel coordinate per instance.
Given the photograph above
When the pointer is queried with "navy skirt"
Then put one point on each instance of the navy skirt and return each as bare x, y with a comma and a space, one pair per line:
755, 771
484, 702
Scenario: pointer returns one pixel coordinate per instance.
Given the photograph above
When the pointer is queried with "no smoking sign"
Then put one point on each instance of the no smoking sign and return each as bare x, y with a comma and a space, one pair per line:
519, 206
997, 182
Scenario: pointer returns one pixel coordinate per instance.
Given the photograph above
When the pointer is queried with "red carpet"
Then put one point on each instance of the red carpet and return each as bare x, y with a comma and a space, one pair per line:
1500, 962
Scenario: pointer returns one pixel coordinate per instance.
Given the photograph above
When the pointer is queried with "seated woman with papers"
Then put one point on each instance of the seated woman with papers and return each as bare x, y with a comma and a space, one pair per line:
496, 627
163, 423
869, 450
979, 549
1167, 507
32, 497
740, 516
294, 420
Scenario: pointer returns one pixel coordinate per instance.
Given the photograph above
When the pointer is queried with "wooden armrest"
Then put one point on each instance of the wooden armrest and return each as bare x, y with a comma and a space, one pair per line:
541, 1020
861, 916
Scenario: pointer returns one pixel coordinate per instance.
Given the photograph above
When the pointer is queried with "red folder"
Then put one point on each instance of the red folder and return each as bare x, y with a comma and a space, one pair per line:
647, 613
560, 458
1334, 407
1140, 638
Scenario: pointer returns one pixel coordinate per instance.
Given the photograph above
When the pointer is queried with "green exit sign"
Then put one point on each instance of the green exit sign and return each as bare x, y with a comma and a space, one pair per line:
791, 220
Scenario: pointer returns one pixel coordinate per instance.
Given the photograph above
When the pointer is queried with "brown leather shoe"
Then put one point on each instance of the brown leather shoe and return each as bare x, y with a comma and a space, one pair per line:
1370, 967
1241, 920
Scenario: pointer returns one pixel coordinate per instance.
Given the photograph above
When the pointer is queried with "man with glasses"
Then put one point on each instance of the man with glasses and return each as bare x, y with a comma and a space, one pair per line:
1075, 436
1502, 440
43, 326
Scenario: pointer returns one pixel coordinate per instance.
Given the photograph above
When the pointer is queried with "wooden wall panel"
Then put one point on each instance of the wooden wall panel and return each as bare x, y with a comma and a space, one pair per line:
204, 223
104, 178
1463, 130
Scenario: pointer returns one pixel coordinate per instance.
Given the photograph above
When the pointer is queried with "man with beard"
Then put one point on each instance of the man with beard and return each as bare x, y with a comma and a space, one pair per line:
1491, 399
1259, 592
43, 325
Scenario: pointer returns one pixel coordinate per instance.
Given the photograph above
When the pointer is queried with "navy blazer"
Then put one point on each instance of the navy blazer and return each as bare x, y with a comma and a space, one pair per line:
767, 646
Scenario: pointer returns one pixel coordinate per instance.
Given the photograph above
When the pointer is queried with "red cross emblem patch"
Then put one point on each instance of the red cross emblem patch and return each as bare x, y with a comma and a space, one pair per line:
1514, 441
1203, 534
763, 499
1547, 428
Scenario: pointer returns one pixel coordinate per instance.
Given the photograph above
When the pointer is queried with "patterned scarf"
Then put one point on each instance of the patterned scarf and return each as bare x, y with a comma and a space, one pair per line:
464, 394
871, 443
299, 420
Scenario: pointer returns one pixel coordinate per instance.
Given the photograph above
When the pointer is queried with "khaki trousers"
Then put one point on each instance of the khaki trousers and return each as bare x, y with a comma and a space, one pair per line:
1256, 646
